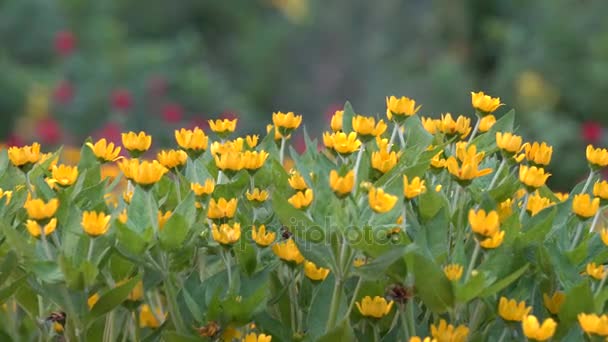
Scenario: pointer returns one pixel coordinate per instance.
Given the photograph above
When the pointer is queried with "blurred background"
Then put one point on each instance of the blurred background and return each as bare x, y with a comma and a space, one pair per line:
70, 69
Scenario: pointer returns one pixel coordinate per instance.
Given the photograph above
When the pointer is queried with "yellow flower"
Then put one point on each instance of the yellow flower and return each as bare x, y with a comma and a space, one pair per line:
597, 157
147, 319
505, 209
162, 218
400, 108
315, 273
384, 161
493, 241
92, 300
413, 189
127, 196
508, 142
604, 236
137, 293
35, 229
486, 123
377, 307
224, 126
453, 271
341, 186
277, 134
563, 197
584, 207
288, 251
380, 201
511, 310
103, 151
336, 120
172, 158
21, 156
466, 172
252, 140
230, 146
600, 189
144, 172
136, 142
484, 104
366, 126
343, 143
532, 177
296, 181
445, 332
537, 203
192, 140
539, 154
95, 223
261, 237
203, 189
64, 175
37, 209
438, 162
226, 234
450, 127
302, 199
430, 124
534, 330
229, 162
252, 337
257, 195
484, 224
6, 194
254, 160
221, 208
595, 271
286, 122
123, 217
593, 323
358, 262
555, 302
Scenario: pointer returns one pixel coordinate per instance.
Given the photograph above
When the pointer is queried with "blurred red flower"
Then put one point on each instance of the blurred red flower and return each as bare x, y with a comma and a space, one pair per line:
172, 112
63, 92
14, 140
121, 99
111, 132
48, 131
199, 122
228, 114
591, 132
65, 42
157, 85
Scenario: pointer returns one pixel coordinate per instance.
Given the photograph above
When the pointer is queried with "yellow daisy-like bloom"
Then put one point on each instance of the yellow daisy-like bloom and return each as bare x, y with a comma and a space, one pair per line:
486, 123
277, 134
453, 271
343, 143
254, 160
584, 207
286, 122
315, 273
384, 161
539, 154
555, 302
35, 229
296, 181
162, 218
537, 203
203, 189
257, 195
20, 156
221, 208
595, 271
147, 319
593, 323
104, 151
508, 142
597, 157
172, 158
414, 188
493, 241
484, 104
336, 121
400, 108
37, 209
450, 127
366, 126
253, 337
341, 185
224, 126
230, 162
288, 251
418, 339
484, 224
600, 189
123, 217
381, 202
438, 162
226, 234
302, 199
505, 209
192, 140
64, 175
92, 300
604, 236
252, 140
136, 142
511, 310
430, 125
230, 146
533, 177
328, 140
95, 223
540, 332
144, 172
261, 237
445, 332
377, 307
563, 196
467, 171
127, 196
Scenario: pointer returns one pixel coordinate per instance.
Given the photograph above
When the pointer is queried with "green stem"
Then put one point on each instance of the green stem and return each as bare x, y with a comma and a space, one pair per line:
524, 207
411, 326
473, 261
174, 312
335, 304
293, 301
404, 217
577, 235
596, 218
401, 138
45, 245
90, 252
475, 129
504, 334
376, 332
282, 151
601, 285
404, 324
358, 161
355, 294
497, 173
228, 263
588, 182
108, 331
393, 136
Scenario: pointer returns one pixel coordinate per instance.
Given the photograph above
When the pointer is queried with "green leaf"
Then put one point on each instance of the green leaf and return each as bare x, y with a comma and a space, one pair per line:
504, 282
476, 285
434, 288
430, 203
578, 299
347, 118
173, 336
8, 265
111, 299
343, 332
174, 232
8, 290
376, 268
296, 220
319, 307
487, 141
